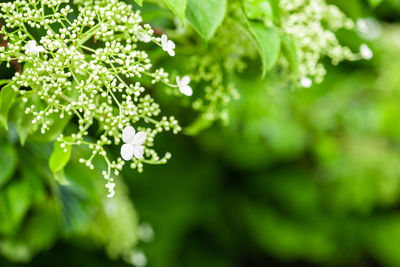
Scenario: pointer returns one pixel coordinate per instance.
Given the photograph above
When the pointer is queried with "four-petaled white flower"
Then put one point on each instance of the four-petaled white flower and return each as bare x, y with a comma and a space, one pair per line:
183, 85
366, 52
133, 143
167, 45
32, 48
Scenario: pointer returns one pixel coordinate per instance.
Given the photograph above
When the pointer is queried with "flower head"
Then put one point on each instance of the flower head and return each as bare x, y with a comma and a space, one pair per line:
133, 143
366, 52
32, 48
183, 85
167, 45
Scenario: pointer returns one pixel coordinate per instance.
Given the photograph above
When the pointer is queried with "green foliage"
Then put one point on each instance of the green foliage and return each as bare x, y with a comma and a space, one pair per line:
268, 43
178, 7
206, 16
7, 95
307, 175
60, 156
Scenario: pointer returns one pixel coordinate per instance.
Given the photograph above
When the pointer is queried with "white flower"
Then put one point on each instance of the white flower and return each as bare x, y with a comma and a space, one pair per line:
369, 28
183, 85
305, 82
133, 143
111, 191
32, 48
167, 45
144, 37
366, 52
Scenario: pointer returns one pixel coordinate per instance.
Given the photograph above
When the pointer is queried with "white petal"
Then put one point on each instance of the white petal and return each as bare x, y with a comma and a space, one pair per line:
178, 80
185, 80
128, 134
171, 45
139, 139
171, 52
164, 39
186, 90
138, 151
127, 151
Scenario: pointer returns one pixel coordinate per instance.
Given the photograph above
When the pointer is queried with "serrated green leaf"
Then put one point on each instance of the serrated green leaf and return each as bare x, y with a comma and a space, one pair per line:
7, 95
268, 44
59, 157
8, 162
178, 7
206, 15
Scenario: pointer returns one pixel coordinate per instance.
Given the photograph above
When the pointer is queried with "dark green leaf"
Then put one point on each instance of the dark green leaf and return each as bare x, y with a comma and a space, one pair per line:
8, 162
206, 15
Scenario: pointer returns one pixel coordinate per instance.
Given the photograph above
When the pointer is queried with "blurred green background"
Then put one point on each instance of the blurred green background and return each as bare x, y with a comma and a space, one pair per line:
299, 177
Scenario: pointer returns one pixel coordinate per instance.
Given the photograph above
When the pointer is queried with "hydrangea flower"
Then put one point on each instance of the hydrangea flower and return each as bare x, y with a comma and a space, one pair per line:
366, 52
167, 45
183, 85
32, 48
133, 143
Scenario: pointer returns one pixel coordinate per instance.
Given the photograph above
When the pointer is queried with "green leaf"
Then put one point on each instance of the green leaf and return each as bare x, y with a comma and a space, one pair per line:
18, 200
8, 162
206, 15
23, 122
7, 95
374, 3
178, 7
289, 50
268, 44
201, 123
259, 9
139, 2
60, 157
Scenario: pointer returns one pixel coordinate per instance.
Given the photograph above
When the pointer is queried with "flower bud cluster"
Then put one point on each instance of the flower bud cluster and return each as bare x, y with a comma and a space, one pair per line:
99, 85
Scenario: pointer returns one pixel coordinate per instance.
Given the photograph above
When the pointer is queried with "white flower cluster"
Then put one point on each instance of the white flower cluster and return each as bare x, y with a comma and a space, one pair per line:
99, 85
312, 24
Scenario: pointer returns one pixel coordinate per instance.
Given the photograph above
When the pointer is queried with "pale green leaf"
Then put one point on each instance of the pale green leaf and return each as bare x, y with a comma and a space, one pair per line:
289, 50
259, 9
178, 7
206, 15
139, 2
59, 157
268, 44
